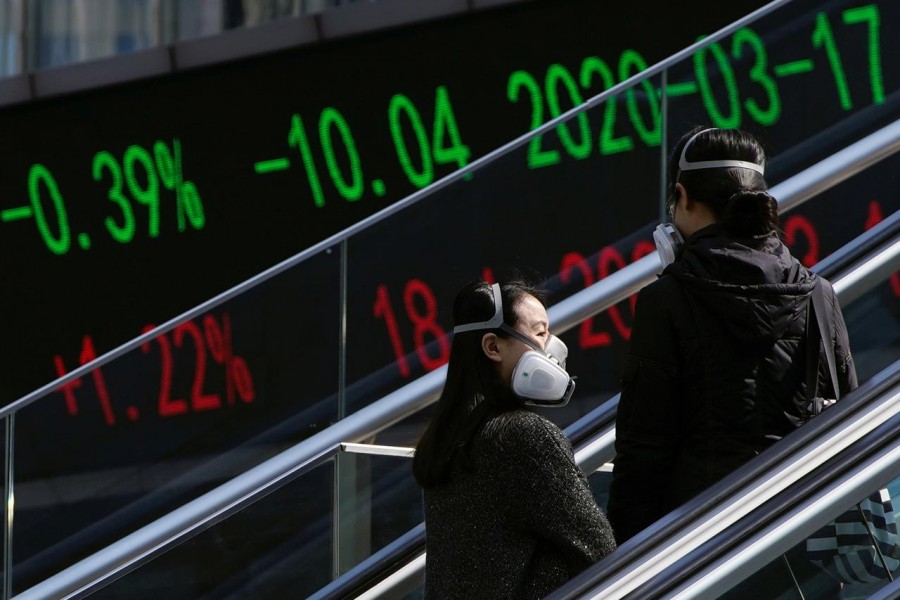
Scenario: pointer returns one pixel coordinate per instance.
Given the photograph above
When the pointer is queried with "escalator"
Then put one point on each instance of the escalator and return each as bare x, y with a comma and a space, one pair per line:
107, 485
277, 563
858, 272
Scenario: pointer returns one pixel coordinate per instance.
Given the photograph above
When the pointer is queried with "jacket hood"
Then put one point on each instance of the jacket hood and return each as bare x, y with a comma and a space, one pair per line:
756, 291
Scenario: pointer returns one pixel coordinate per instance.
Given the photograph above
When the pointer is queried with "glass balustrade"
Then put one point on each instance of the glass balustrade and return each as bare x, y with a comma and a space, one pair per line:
281, 546
294, 540
792, 573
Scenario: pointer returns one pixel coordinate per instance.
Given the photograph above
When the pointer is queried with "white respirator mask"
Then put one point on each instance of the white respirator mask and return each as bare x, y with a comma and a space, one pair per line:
667, 239
540, 376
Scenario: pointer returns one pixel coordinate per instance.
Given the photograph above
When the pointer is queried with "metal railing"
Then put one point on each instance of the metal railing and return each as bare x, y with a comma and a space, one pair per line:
736, 500
786, 520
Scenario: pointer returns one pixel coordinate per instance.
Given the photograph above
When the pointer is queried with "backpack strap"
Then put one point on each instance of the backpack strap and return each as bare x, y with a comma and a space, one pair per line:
824, 317
818, 330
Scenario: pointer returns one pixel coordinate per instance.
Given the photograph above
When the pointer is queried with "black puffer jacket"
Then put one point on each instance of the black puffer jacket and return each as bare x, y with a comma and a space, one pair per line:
715, 373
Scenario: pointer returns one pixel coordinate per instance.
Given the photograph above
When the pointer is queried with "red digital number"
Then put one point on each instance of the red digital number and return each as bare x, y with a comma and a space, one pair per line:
167, 406
587, 337
424, 323
610, 257
215, 338
199, 400
796, 225
218, 339
608, 261
875, 217
237, 373
88, 353
67, 389
383, 309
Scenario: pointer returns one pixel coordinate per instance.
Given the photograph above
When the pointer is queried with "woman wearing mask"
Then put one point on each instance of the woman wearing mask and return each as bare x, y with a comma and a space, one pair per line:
508, 513
717, 368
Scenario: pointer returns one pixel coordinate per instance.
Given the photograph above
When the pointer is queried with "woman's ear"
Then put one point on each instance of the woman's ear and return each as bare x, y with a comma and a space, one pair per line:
689, 205
680, 192
490, 347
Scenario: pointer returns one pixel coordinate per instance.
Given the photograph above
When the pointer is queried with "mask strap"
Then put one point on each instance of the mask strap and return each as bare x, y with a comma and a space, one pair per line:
684, 165
496, 322
493, 323
522, 338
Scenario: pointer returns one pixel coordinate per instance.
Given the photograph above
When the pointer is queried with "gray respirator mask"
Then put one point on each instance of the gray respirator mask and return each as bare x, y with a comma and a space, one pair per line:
540, 376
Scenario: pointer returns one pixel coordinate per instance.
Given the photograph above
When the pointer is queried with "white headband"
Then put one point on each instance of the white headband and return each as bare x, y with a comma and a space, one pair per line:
494, 323
684, 165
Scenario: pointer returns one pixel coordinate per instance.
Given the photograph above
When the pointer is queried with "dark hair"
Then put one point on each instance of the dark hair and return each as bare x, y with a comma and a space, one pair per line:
738, 197
473, 391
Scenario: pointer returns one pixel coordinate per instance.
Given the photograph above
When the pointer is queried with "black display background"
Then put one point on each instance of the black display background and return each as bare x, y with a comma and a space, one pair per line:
229, 117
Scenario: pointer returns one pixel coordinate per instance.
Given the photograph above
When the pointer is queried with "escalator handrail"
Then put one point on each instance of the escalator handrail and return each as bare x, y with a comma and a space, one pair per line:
582, 431
670, 531
863, 461
868, 242
412, 397
343, 235
395, 554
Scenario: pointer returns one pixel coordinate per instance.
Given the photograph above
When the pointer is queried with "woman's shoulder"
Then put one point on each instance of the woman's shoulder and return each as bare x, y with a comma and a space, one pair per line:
518, 429
521, 420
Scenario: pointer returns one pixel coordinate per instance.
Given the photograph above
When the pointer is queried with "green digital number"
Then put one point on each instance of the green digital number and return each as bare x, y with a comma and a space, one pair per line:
402, 105
652, 135
537, 158
329, 120
823, 37
870, 15
123, 233
57, 244
758, 74
732, 118
557, 74
149, 196
448, 146
609, 144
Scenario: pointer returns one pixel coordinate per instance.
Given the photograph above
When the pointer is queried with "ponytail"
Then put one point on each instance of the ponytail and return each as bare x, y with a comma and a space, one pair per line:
747, 213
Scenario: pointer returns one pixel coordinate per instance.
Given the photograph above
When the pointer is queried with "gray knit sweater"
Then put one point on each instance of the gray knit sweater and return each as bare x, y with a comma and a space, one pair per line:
519, 525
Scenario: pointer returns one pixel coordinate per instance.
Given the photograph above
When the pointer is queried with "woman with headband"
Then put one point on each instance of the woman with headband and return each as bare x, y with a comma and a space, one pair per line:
508, 512
716, 370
